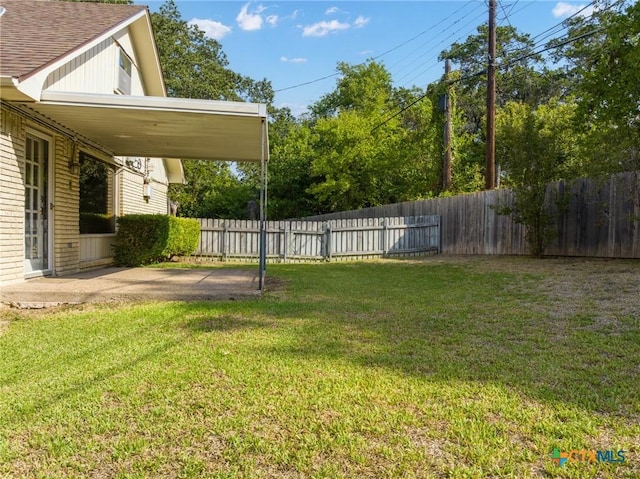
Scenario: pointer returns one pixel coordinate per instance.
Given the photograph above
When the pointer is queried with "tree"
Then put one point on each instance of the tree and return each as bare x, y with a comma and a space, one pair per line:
520, 76
603, 61
536, 146
289, 169
365, 88
369, 147
195, 66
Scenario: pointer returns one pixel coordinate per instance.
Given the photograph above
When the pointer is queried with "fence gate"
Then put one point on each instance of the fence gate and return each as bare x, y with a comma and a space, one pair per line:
302, 240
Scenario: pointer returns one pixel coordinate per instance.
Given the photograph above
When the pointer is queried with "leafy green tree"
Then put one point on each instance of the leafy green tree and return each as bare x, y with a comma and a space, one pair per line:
289, 169
365, 88
213, 191
369, 147
520, 76
536, 146
195, 66
416, 150
603, 61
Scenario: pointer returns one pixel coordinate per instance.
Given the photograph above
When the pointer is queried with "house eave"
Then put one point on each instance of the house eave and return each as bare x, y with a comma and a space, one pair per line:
10, 90
175, 171
32, 83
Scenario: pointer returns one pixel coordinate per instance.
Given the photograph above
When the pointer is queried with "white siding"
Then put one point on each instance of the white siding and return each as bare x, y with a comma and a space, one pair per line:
96, 250
124, 40
131, 200
66, 226
96, 70
12, 138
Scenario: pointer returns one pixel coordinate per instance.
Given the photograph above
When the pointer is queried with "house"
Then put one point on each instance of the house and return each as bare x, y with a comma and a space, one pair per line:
87, 133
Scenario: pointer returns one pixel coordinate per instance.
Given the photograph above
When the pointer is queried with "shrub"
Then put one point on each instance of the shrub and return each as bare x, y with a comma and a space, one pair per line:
146, 239
96, 223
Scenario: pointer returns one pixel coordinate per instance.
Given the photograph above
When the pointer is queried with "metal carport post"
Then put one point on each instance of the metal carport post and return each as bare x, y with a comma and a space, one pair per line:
263, 210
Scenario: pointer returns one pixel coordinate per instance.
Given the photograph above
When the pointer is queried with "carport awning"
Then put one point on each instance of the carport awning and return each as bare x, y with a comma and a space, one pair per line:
163, 127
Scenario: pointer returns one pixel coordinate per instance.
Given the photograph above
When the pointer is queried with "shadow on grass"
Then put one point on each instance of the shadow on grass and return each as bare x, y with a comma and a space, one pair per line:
208, 324
448, 323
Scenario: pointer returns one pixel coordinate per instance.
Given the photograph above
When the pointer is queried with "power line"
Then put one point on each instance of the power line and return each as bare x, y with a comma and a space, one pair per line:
434, 57
298, 85
482, 72
563, 25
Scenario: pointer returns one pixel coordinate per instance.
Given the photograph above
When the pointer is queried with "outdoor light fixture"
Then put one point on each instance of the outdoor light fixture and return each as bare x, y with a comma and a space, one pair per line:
147, 190
74, 167
74, 163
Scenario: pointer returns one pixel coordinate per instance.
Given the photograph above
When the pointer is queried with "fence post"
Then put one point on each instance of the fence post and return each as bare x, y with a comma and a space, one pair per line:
286, 241
225, 241
385, 238
327, 241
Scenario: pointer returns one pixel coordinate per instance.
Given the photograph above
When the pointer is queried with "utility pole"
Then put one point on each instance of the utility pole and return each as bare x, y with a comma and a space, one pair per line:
446, 168
490, 155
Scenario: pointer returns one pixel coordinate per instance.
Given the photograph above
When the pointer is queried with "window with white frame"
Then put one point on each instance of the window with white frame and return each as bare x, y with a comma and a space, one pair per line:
124, 73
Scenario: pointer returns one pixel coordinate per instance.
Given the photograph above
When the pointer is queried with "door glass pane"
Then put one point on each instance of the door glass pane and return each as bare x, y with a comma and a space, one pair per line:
36, 234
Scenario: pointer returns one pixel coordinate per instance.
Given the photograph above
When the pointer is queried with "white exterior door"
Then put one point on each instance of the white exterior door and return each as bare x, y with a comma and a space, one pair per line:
37, 250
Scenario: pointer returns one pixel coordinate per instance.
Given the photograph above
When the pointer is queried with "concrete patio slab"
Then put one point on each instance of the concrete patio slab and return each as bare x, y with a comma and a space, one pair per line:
133, 284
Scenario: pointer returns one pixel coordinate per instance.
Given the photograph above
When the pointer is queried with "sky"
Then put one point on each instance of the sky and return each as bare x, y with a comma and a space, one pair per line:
298, 44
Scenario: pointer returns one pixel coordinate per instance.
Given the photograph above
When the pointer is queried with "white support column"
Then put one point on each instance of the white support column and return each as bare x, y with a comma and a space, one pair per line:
263, 209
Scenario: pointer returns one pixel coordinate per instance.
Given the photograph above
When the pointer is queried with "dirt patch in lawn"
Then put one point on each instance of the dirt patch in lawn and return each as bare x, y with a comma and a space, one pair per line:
605, 289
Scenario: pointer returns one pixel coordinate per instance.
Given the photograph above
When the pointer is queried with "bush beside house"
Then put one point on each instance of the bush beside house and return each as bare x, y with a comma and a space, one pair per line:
146, 239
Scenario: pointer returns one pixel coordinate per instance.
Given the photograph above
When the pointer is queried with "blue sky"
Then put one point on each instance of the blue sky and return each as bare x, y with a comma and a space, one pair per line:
295, 42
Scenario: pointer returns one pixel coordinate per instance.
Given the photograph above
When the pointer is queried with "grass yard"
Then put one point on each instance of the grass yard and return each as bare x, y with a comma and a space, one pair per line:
442, 367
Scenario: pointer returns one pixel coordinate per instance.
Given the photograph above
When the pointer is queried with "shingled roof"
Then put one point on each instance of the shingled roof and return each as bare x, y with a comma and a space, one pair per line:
36, 33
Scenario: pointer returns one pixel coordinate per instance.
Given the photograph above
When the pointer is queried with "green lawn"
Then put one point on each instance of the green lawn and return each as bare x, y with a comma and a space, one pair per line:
437, 368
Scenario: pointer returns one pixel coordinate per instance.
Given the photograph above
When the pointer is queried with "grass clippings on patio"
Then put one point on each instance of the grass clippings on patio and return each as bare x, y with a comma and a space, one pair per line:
447, 367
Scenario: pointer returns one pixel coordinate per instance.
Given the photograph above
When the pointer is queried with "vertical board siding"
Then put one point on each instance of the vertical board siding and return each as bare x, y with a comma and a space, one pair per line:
298, 240
602, 219
96, 246
96, 70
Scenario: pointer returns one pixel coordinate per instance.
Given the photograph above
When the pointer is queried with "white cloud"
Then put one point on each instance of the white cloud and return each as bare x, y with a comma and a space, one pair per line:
322, 29
331, 10
211, 28
272, 20
360, 22
293, 60
365, 52
563, 10
250, 20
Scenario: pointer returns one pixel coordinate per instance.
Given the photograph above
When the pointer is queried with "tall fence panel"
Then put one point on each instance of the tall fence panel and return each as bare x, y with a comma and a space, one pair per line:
602, 219
300, 240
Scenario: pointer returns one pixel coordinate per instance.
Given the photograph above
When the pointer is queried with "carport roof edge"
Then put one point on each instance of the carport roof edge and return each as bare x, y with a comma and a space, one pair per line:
163, 127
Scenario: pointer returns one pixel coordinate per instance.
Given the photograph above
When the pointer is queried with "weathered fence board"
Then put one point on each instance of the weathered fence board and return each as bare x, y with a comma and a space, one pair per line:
602, 219
298, 240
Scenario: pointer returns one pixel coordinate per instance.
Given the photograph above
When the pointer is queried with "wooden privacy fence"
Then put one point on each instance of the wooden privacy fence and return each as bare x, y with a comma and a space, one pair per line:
302, 240
602, 219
